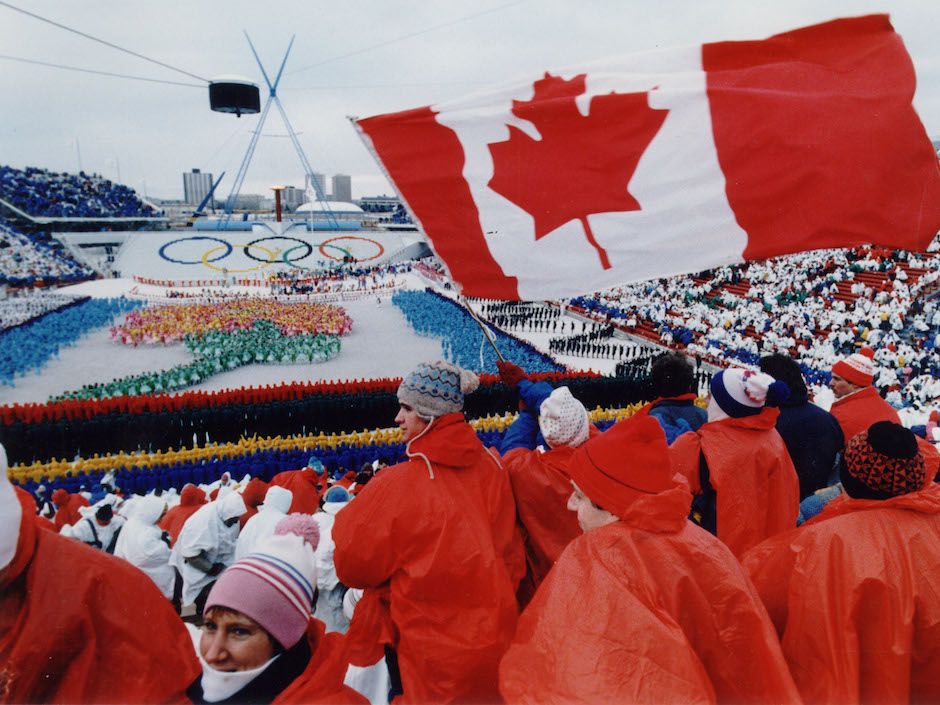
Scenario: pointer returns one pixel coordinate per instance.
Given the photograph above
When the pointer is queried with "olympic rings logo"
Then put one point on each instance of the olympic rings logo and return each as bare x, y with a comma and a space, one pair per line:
272, 254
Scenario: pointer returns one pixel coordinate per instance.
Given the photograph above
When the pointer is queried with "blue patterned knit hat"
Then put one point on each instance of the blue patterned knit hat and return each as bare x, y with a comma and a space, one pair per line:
436, 388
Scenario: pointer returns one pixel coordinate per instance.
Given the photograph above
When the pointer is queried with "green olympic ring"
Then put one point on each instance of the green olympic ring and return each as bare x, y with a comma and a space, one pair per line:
311, 269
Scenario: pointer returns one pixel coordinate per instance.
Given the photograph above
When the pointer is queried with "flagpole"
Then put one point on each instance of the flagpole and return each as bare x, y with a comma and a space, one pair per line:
486, 332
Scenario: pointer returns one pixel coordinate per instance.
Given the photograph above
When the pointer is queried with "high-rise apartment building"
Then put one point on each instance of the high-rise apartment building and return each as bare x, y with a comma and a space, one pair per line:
196, 184
342, 188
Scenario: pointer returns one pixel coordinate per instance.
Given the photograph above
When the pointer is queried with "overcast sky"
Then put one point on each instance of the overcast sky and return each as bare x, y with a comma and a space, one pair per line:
349, 58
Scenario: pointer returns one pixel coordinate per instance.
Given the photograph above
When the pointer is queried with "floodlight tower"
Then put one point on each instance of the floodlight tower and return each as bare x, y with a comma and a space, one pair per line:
274, 100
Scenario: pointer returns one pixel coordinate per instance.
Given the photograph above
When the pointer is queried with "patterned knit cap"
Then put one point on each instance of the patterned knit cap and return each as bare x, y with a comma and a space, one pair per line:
436, 388
886, 459
563, 419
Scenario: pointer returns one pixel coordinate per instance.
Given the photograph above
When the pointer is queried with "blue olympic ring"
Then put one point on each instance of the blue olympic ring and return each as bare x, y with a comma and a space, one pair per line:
227, 252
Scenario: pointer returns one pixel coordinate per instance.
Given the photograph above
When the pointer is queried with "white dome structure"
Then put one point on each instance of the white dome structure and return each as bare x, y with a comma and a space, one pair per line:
335, 207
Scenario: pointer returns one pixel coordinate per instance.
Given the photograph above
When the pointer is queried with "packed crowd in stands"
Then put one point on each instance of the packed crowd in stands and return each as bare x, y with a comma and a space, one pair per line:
43, 193
754, 549
816, 306
28, 259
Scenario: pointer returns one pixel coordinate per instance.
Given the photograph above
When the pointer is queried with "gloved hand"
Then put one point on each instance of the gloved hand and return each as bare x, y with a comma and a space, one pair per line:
510, 373
216, 569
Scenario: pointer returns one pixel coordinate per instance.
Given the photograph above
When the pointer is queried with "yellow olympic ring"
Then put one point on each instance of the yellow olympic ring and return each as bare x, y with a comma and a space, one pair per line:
272, 259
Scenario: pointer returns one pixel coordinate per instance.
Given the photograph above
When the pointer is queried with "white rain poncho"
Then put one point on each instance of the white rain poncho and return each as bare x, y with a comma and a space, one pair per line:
261, 526
206, 531
89, 531
329, 607
140, 543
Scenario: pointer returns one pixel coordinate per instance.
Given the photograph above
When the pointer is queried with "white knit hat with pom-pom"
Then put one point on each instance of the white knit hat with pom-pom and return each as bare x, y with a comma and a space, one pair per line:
436, 388
563, 419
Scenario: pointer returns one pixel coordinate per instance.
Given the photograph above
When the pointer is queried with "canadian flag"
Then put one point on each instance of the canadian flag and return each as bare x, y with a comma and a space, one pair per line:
670, 162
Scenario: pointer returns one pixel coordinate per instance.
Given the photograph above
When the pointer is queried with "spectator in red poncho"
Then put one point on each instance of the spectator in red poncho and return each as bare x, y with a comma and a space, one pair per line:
644, 607
67, 508
539, 478
254, 497
853, 592
737, 465
191, 498
438, 532
306, 486
858, 404
78, 625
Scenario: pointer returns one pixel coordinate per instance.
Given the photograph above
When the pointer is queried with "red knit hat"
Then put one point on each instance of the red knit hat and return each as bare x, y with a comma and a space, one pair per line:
858, 368
629, 460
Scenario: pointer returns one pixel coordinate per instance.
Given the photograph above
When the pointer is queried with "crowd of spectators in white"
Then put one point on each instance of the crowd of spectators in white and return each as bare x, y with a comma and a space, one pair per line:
817, 306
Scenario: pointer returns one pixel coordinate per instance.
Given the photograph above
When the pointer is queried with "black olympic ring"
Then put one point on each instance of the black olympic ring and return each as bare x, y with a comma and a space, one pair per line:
309, 247
227, 252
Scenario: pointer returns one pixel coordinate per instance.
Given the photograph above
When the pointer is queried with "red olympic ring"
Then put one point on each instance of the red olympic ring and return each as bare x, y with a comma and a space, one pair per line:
381, 250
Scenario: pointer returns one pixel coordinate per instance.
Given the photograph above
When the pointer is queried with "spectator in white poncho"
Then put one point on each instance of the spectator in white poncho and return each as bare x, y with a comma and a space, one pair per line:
261, 526
143, 544
206, 545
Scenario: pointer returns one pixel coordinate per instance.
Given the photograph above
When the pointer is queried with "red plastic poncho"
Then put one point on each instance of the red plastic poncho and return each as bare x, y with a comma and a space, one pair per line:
541, 487
80, 626
856, 412
853, 594
756, 485
191, 498
322, 680
253, 496
67, 508
651, 609
439, 532
306, 487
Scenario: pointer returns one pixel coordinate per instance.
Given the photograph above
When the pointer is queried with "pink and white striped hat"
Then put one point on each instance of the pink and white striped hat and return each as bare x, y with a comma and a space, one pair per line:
273, 586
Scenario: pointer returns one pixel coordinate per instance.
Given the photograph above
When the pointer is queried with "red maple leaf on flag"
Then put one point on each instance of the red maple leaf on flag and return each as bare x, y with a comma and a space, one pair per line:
582, 164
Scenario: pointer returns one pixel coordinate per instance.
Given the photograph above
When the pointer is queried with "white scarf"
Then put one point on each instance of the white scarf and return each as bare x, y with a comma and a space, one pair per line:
219, 685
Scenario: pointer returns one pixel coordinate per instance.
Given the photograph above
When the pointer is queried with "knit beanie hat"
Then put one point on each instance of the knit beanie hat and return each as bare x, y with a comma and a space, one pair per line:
315, 465
627, 461
858, 368
884, 461
741, 392
336, 494
302, 525
436, 388
273, 586
563, 419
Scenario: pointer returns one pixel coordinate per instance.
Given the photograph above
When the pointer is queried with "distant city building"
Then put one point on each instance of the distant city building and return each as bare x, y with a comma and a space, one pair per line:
342, 188
291, 197
379, 204
320, 180
196, 185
